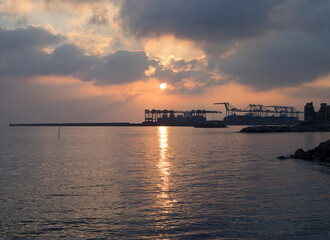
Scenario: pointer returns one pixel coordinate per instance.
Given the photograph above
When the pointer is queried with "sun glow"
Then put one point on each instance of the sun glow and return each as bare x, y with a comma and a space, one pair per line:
163, 86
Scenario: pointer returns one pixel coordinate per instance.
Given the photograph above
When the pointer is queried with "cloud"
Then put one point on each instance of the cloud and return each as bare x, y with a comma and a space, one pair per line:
222, 21
304, 15
15, 7
200, 21
26, 38
76, 5
65, 60
23, 56
118, 68
69, 59
186, 76
280, 60
99, 17
263, 44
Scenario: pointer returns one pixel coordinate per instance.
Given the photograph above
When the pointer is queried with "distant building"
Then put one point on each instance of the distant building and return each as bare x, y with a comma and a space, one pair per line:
322, 116
309, 112
324, 113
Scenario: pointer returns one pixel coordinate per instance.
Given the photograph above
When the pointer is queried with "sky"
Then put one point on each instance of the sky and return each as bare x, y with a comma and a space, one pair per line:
103, 60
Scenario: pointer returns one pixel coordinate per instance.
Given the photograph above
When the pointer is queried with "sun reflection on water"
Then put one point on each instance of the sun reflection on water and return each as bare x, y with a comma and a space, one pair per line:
164, 199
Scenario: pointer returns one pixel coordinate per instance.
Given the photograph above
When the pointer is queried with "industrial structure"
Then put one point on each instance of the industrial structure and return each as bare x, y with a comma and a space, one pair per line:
320, 117
257, 114
309, 112
179, 118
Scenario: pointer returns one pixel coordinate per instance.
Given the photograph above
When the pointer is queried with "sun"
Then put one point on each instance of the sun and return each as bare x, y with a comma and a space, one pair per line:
163, 86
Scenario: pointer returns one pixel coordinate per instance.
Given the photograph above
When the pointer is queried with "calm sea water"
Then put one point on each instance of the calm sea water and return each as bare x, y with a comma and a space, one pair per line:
160, 183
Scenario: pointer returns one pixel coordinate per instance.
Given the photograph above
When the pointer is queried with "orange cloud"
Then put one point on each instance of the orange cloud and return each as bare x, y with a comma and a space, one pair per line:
90, 41
323, 81
167, 47
16, 6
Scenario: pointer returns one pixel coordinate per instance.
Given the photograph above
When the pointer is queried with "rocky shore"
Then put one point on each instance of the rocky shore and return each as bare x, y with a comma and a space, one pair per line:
321, 153
296, 128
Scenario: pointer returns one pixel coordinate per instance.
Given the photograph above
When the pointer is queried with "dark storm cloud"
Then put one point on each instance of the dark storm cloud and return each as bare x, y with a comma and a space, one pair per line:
68, 59
22, 55
65, 60
119, 67
304, 15
26, 38
200, 21
285, 60
222, 20
275, 43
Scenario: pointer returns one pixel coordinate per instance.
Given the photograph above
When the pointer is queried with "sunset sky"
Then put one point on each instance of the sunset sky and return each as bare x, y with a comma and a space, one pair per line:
103, 60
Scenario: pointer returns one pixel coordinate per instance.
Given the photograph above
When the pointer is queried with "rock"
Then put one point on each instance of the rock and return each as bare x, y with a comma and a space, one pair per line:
299, 153
320, 153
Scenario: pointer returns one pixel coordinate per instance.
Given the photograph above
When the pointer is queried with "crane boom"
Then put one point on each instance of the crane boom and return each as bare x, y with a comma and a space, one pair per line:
260, 110
230, 110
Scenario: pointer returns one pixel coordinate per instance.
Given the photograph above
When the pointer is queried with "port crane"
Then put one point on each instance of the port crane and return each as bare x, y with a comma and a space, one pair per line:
230, 110
258, 110
283, 110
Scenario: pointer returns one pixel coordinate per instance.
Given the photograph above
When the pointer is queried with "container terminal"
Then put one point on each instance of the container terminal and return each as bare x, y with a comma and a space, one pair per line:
196, 118
257, 114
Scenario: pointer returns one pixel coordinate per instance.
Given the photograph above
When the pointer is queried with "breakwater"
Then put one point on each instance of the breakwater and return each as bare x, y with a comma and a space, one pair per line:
295, 128
124, 124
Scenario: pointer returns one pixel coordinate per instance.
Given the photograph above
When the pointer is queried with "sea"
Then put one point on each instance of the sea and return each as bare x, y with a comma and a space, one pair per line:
160, 183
